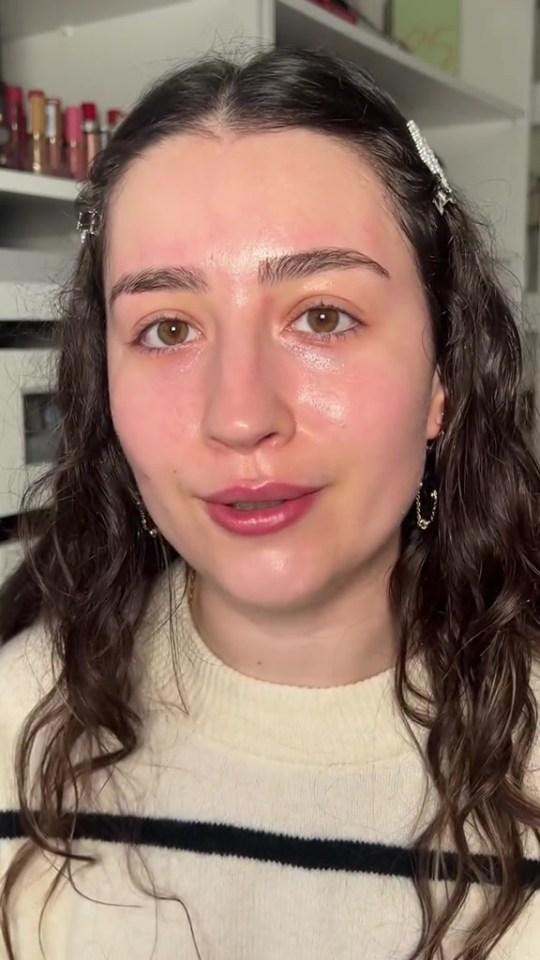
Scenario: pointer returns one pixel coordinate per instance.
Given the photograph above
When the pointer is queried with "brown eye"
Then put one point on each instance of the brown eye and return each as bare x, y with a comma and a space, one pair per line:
326, 322
323, 319
169, 332
172, 332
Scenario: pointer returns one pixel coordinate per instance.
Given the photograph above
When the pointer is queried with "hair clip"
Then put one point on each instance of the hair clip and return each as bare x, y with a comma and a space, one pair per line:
87, 224
444, 193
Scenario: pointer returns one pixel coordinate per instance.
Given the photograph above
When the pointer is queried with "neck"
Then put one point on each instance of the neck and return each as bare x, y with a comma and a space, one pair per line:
345, 637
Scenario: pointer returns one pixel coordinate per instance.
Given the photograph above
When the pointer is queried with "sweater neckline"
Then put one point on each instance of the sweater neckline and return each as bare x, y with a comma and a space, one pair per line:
354, 723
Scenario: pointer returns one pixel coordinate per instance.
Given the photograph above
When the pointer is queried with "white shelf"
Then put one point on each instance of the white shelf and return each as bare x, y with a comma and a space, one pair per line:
16, 183
424, 93
27, 301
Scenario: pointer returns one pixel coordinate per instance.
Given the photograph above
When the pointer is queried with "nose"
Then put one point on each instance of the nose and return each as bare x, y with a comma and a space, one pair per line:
248, 400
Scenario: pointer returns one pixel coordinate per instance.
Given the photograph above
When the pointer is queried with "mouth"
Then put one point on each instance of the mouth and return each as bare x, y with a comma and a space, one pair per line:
269, 493
254, 505
253, 511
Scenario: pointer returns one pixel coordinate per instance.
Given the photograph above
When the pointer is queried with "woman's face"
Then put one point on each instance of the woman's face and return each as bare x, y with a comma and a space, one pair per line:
266, 323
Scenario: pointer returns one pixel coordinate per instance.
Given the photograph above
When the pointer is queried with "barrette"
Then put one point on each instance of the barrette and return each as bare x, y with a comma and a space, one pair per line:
87, 224
444, 193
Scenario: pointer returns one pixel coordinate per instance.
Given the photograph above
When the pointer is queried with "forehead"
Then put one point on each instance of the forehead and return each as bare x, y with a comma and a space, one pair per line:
213, 199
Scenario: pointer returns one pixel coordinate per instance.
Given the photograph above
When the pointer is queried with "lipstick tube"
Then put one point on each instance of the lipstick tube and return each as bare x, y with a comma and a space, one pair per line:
91, 136
109, 126
53, 135
15, 122
74, 146
5, 132
36, 101
114, 117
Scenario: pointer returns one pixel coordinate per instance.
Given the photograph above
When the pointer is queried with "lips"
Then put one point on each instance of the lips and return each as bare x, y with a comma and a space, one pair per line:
252, 511
273, 492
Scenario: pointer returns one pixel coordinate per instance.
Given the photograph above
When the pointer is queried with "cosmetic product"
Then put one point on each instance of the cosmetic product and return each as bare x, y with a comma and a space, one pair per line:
75, 160
104, 134
339, 7
5, 132
53, 135
91, 136
108, 126
114, 117
36, 112
17, 126
23, 138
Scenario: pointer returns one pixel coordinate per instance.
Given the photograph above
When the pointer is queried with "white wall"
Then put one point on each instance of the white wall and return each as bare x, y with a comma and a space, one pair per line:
111, 61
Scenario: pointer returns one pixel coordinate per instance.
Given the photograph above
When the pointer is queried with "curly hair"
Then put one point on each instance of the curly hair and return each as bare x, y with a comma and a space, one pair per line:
464, 592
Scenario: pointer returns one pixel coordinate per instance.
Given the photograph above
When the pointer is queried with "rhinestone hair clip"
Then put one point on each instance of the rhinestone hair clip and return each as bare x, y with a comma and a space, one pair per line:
444, 193
87, 224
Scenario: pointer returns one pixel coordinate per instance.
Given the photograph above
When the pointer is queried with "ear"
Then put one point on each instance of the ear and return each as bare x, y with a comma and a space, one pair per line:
436, 408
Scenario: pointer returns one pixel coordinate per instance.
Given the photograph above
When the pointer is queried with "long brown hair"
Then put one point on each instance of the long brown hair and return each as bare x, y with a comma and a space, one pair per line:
464, 592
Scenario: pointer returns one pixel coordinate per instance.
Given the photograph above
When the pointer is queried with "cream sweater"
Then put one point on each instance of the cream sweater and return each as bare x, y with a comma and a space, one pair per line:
277, 820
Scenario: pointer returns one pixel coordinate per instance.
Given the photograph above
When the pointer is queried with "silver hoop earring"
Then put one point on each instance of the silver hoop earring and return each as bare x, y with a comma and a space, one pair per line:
421, 521
147, 526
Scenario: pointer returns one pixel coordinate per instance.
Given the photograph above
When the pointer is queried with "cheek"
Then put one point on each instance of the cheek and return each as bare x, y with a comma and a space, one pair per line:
373, 403
370, 421
155, 420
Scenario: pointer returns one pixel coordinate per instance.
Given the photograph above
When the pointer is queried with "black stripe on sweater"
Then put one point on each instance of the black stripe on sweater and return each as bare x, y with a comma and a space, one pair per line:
226, 840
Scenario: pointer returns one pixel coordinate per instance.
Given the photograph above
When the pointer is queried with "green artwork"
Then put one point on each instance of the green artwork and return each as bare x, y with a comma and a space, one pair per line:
430, 29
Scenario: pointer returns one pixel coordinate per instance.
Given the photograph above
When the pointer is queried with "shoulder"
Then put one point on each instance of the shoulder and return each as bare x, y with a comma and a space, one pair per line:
26, 676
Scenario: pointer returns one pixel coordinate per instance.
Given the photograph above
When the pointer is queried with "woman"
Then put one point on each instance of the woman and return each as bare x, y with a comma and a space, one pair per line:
271, 666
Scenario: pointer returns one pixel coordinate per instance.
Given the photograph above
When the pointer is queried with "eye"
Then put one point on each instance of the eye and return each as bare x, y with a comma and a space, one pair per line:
326, 321
167, 332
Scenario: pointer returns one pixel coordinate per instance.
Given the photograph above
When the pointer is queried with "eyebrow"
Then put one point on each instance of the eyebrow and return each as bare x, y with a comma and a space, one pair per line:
272, 271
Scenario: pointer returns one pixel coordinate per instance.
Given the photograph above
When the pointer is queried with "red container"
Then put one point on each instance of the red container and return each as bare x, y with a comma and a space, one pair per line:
349, 15
16, 122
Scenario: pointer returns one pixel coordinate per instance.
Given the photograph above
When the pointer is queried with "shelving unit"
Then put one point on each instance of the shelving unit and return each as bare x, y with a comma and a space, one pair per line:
15, 183
27, 301
479, 123
434, 97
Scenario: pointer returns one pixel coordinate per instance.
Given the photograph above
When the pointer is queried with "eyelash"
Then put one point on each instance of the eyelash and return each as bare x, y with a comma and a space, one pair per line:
317, 337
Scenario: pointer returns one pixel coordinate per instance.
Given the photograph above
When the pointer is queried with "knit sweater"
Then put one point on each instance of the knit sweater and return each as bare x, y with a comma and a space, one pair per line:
272, 821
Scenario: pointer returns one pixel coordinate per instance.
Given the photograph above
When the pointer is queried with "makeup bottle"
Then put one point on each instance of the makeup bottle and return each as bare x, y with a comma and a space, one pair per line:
114, 117
17, 128
53, 135
23, 138
109, 125
104, 134
75, 160
91, 136
36, 105
5, 132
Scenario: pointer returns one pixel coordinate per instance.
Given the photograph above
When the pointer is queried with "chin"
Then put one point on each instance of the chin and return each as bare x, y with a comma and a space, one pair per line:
277, 591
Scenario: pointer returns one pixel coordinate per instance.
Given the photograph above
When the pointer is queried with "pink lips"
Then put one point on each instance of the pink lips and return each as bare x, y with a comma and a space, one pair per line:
288, 505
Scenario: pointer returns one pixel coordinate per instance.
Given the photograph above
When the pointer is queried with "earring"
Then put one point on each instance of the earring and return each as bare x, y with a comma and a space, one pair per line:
191, 584
420, 520
148, 527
